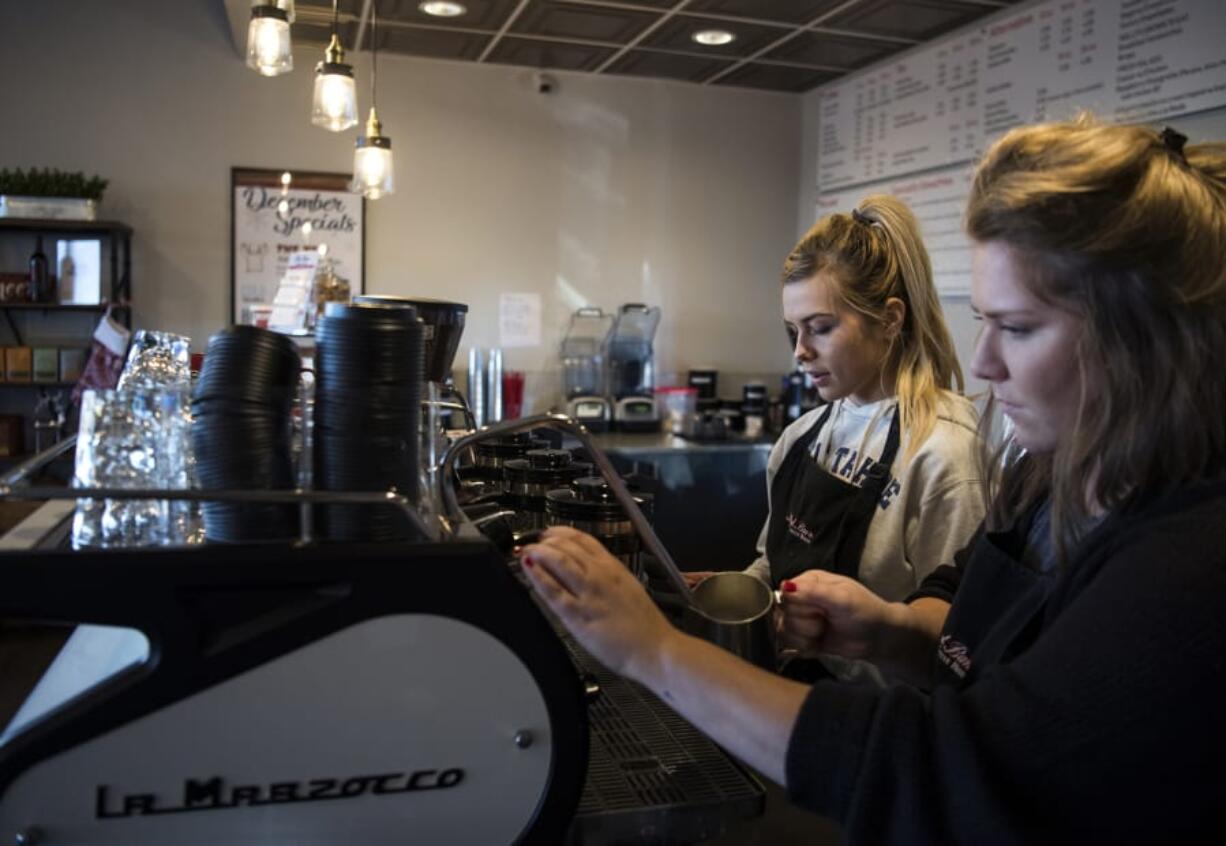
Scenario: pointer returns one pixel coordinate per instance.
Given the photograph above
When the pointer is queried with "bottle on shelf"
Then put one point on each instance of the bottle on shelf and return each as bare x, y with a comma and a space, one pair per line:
65, 292
39, 283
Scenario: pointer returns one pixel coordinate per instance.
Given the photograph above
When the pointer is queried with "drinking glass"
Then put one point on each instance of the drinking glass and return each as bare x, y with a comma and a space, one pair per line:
132, 438
157, 360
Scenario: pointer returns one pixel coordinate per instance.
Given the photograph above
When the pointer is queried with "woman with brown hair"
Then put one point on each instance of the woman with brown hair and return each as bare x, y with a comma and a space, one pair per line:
1068, 668
881, 483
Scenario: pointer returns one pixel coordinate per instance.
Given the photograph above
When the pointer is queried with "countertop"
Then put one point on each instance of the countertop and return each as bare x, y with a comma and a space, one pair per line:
663, 442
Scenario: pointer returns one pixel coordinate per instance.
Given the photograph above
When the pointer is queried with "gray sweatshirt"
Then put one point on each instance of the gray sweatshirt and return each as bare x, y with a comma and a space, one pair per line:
932, 503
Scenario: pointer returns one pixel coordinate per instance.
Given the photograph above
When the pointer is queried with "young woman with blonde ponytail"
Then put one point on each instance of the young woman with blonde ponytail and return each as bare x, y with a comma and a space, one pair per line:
1068, 670
882, 483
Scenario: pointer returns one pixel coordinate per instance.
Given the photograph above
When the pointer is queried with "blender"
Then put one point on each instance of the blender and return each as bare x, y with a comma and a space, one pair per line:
583, 373
628, 357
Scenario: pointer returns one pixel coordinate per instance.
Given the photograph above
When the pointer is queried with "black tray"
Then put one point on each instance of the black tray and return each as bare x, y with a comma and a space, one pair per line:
652, 778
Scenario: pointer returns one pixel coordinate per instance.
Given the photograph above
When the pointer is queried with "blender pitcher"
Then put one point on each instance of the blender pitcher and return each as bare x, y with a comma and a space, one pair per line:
583, 376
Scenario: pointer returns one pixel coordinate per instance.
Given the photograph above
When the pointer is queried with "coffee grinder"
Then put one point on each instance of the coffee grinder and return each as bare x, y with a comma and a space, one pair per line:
583, 372
629, 359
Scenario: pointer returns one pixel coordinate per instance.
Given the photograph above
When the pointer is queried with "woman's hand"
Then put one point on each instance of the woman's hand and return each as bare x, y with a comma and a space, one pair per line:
597, 599
694, 578
826, 612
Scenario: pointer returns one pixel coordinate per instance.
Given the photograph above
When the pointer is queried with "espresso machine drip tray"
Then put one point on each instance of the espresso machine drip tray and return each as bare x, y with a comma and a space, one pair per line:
650, 770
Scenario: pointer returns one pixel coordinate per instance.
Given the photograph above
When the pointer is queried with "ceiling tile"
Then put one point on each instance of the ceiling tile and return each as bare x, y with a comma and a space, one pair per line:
662, 5
548, 54
784, 11
480, 14
545, 33
676, 31
775, 77
591, 23
919, 19
301, 33
667, 65
832, 50
435, 43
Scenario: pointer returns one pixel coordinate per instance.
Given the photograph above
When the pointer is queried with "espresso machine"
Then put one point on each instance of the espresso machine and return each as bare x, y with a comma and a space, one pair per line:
318, 693
583, 369
631, 371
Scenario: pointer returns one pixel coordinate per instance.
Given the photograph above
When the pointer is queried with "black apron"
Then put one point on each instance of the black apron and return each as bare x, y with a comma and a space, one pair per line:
997, 610
818, 521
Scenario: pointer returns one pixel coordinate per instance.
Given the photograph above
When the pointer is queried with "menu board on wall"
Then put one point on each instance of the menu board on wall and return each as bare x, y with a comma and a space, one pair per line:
941, 105
910, 115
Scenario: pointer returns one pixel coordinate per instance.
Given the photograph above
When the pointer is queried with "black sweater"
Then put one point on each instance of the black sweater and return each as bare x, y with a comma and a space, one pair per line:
1100, 719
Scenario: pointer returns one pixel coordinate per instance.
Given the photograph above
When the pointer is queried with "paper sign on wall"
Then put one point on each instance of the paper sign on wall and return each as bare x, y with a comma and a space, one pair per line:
519, 320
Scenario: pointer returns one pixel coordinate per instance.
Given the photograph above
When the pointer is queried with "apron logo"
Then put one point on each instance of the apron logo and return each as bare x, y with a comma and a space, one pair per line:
954, 655
797, 528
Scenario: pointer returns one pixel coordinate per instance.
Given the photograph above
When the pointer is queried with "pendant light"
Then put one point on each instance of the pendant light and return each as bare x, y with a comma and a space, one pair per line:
268, 45
335, 105
372, 160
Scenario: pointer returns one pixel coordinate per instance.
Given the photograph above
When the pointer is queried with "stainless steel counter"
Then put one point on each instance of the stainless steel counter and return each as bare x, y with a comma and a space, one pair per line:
711, 500
656, 442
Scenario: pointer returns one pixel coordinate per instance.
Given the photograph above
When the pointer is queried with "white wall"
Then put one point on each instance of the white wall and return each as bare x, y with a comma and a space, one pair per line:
612, 190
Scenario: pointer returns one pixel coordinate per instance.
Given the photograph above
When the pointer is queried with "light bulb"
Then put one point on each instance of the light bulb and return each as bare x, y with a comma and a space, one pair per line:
335, 105
373, 167
373, 171
268, 45
714, 37
442, 8
337, 93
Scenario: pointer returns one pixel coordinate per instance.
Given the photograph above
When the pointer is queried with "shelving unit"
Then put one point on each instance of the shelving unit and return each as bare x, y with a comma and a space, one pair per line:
52, 322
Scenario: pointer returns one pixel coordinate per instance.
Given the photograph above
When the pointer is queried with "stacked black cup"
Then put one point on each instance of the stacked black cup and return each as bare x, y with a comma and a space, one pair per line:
241, 431
368, 383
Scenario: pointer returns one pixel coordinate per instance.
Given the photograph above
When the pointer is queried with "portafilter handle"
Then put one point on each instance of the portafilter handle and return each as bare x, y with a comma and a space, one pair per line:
451, 508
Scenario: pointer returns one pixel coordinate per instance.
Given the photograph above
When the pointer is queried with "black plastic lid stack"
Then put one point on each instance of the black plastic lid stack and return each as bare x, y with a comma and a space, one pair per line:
368, 392
241, 408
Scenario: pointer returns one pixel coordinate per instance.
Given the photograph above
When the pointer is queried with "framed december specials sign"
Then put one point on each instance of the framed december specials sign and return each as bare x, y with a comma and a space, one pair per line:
283, 221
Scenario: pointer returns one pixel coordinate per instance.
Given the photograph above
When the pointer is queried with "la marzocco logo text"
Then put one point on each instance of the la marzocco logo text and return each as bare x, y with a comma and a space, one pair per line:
215, 795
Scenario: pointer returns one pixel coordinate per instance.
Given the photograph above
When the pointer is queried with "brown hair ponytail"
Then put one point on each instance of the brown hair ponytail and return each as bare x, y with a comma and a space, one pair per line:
1127, 231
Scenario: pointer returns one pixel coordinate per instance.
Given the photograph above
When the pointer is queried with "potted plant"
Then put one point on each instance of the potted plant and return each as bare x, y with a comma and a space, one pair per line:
49, 194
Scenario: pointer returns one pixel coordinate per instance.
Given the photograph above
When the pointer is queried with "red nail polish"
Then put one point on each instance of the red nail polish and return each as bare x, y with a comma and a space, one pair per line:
789, 586
528, 562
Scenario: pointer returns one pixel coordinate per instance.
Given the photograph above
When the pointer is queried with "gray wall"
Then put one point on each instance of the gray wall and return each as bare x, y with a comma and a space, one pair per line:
612, 190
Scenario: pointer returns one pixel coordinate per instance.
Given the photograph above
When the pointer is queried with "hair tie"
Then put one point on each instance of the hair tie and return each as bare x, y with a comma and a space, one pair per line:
861, 217
1174, 141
